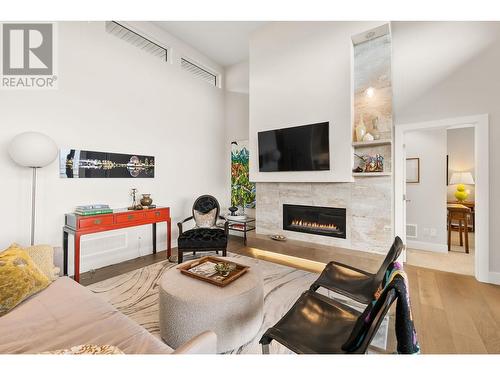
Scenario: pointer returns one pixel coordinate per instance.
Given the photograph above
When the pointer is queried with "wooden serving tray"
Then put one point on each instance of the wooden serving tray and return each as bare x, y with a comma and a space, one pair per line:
215, 278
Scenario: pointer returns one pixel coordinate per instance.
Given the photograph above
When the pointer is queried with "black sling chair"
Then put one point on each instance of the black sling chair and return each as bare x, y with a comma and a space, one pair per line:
317, 324
355, 283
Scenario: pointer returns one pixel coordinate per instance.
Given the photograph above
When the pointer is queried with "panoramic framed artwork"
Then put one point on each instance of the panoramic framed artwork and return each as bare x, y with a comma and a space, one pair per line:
413, 170
242, 190
96, 164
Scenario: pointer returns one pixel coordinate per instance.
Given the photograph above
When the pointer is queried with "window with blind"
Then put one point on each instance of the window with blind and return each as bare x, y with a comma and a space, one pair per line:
199, 72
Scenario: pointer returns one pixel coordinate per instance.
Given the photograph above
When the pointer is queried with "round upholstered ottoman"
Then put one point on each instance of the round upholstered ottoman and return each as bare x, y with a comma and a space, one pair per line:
189, 306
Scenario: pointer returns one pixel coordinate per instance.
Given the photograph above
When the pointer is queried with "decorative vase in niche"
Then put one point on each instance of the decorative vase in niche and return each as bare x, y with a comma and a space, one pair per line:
146, 200
360, 129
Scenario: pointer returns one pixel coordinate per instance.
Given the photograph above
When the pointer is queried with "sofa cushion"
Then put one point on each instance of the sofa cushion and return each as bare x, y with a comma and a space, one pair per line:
202, 238
67, 314
20, 278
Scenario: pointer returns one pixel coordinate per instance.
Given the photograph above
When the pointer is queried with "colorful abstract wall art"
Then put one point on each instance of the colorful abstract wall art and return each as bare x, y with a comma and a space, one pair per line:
242, 190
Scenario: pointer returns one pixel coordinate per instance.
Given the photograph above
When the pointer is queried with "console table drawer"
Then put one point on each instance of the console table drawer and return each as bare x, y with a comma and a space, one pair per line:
95, 222
163, 214
129, 217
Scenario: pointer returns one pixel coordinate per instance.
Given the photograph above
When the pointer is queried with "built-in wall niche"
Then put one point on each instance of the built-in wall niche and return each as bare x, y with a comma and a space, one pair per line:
372, 100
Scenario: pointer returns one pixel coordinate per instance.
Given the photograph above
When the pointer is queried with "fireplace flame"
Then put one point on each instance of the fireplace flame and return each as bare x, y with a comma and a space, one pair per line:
314, 225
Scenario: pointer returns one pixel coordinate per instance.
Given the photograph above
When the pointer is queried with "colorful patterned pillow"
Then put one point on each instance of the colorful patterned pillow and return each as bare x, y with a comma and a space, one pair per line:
20, 278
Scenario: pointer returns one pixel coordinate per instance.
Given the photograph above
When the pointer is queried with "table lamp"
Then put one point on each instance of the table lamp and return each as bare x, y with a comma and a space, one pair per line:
461, 179
33, 150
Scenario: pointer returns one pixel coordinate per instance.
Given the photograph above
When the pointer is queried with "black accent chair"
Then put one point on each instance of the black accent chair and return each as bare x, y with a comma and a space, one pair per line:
317, 324
355, 283
206, 236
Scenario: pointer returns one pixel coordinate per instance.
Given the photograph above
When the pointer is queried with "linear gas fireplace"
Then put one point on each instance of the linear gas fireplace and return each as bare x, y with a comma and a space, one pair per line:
324, 221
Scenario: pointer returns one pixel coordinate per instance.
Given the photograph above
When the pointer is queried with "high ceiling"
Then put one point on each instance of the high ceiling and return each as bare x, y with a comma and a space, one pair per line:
225, 42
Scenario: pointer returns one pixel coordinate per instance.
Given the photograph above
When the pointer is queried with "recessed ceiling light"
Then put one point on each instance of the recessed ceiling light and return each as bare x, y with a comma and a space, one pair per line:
370, 91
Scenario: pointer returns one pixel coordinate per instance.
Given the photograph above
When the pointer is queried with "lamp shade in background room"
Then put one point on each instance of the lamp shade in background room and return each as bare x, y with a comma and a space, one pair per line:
461, 178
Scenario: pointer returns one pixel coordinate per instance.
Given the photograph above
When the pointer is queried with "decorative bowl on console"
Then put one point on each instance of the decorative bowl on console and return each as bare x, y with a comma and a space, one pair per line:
146, 200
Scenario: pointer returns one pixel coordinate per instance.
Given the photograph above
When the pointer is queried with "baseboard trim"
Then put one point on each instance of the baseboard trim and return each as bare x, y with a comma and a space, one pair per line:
494, 278
427, 246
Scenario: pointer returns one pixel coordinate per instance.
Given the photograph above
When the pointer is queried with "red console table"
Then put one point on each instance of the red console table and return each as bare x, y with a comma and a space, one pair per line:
78, 226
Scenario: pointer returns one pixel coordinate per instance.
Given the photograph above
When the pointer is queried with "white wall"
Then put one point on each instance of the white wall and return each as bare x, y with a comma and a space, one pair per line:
427, 199
300, 73
237, 77
236, 115
447, 70
461, 157
236, 101
113, 97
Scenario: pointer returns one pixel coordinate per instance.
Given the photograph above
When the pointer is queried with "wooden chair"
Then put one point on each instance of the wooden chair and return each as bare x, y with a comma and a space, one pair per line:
461, 214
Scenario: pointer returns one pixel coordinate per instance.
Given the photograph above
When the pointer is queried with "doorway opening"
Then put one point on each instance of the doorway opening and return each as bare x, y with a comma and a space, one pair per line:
442, 191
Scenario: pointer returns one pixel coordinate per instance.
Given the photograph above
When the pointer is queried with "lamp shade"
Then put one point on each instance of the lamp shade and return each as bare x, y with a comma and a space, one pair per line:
461, 178
32, 149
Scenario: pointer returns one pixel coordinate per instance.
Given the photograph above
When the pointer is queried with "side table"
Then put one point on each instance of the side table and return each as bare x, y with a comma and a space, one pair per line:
242, 225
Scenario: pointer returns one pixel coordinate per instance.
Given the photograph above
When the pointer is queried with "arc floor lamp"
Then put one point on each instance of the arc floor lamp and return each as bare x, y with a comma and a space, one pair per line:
33, 150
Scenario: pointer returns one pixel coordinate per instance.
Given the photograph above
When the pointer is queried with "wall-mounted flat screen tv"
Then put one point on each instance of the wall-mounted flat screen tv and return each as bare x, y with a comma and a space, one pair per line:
301, 148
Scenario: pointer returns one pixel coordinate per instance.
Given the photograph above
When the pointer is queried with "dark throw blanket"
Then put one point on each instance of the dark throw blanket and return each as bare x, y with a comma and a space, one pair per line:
395, 279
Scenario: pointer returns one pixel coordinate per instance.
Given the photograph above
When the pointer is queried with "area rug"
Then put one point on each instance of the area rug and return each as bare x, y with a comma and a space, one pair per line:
135, 294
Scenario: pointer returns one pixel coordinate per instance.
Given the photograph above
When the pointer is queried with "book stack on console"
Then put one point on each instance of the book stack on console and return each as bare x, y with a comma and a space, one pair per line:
93, 209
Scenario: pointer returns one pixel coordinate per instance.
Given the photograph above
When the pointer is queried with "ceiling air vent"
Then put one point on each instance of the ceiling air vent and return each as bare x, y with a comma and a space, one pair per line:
136, 39
199, 72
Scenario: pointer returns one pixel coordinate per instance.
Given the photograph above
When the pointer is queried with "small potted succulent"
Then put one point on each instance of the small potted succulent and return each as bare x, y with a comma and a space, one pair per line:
224, 269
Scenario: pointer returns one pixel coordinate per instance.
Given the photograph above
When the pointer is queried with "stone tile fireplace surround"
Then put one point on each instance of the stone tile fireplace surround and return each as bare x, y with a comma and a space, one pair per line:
367, 202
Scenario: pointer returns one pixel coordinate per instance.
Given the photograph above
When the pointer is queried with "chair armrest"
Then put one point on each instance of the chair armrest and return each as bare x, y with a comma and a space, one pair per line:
334, 264
332, 277
179, 224
204, 343
226, 224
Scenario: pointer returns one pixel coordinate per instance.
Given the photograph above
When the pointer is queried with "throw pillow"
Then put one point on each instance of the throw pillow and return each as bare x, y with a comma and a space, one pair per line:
87, 349
205, 220
20, 278
43, 256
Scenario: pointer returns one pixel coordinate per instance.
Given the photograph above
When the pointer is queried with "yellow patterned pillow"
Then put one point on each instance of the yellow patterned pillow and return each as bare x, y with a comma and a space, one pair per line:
20, 278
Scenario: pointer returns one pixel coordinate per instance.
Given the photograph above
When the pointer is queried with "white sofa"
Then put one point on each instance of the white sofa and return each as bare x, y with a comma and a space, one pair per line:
66, 314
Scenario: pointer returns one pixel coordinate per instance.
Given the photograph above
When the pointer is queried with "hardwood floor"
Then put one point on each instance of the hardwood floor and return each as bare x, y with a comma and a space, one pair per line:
452, 313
